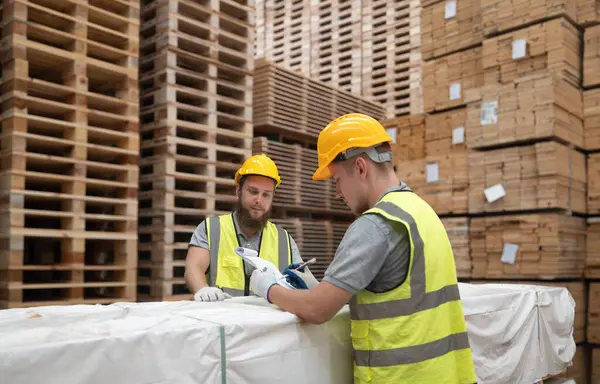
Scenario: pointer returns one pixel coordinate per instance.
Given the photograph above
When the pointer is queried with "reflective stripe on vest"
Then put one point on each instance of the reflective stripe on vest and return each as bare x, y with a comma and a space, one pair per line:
214, 235
394, 333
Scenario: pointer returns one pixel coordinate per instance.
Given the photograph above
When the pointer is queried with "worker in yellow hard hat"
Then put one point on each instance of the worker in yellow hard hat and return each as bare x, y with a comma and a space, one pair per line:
394, 265
212, 246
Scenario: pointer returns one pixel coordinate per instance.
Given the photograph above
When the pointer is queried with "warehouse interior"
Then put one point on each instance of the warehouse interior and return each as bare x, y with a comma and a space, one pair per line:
124, 122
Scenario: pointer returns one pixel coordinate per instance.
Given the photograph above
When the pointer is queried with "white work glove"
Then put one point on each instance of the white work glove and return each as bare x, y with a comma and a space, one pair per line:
300, 278
211, 294
261, 281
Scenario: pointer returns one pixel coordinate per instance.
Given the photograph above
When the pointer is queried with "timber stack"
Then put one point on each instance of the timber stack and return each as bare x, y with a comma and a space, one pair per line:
70, 147
290, 109
196, 66
369, 48
512, 145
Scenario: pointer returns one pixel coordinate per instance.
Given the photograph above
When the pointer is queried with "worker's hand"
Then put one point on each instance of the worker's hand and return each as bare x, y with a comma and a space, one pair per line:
301, 278
211, 294
261, 281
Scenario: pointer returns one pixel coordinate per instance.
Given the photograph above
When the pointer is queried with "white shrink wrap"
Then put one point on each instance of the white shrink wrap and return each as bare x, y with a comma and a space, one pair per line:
518, 333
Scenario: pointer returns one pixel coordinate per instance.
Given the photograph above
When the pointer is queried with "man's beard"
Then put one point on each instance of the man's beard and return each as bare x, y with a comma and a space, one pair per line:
246, 219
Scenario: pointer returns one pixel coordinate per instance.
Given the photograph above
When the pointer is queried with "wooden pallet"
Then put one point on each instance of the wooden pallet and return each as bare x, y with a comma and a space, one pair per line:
551, 246
595, 365
593, 176
457, 229
552, 47
442, 181
287, 34
499, 16
533, 108
69, 157
540, 176
445, 132
295, 106
591, 119
389, 66
450, 26
452, 81
592, 261
260, 40
577, 290
591, 56
408, 133
335, 57
298, 191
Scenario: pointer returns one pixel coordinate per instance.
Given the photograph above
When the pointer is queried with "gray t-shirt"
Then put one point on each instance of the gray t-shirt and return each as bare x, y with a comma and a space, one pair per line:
374, 254
200, 239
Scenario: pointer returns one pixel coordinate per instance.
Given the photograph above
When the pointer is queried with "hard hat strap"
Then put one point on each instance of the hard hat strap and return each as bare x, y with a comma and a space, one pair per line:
377, 157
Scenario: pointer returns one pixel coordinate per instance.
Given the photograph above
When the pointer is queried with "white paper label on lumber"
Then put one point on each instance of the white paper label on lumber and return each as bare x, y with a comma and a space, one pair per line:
433, 172
458, 135
509, 253
489, 112
450, 9
494, 193
455, 91
519, 49
392, 134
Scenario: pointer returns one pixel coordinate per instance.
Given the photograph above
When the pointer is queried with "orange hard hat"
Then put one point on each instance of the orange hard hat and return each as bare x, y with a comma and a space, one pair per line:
354, 130
259, 165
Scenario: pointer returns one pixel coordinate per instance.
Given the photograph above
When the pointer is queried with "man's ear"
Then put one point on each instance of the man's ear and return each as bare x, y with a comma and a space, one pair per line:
361, 164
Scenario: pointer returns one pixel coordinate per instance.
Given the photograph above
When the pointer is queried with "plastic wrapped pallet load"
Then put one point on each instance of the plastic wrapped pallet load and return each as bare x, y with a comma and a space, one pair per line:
518, 334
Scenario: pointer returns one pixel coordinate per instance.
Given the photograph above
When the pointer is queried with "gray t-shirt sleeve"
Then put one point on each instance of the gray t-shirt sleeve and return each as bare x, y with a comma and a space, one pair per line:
374, 254
199, 237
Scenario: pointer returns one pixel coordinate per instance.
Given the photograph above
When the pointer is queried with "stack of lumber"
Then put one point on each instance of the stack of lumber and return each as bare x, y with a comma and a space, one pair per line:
457, 229
593, 320
294, 106
368, 48
538, 176
591, 56
445, 133
408, 137
592, 261
196, 128
530, 89
70, 150
315, 238
591, 119
533, 246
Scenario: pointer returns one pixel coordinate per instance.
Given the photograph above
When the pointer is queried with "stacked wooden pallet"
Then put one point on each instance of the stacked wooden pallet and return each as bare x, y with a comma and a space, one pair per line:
294, 106
69, 152
369, 48
196, 113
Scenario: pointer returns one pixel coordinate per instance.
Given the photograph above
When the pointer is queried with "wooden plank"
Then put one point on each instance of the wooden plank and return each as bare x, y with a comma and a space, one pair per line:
552, 47
502, 15
539, 176
453, 80
457, 229
550, 246
591, 56
445, 132
593, 183
408, 133
588, 12
442, 181
447, 29
592, 261
591, 119
593, 319
534, 107
595, 365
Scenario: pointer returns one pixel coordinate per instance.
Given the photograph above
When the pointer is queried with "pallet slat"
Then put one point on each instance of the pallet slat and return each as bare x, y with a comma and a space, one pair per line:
591, 119
591, 56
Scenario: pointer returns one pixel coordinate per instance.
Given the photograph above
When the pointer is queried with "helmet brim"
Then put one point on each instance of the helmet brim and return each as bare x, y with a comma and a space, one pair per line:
322, 173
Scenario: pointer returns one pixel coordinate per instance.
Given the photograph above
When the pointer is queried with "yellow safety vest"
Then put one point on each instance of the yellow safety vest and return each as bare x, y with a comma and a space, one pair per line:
226, 269
415, 333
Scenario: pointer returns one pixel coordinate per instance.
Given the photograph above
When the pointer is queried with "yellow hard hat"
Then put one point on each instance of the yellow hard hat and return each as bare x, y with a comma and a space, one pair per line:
260, 165
353, 130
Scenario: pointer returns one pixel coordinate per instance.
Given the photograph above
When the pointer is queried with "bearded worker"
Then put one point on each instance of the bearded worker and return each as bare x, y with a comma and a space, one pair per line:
395, 266
211, 247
